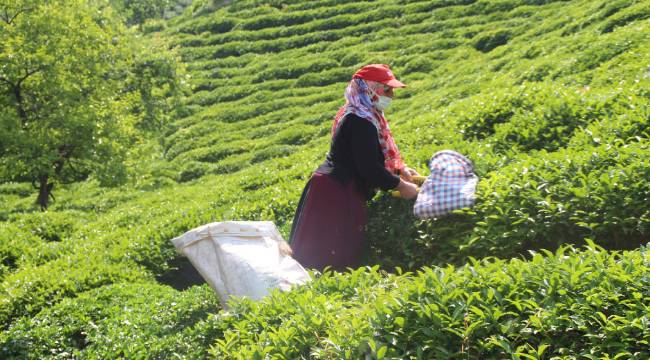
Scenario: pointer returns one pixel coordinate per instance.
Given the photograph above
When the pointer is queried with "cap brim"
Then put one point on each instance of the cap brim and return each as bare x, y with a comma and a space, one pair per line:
395, 83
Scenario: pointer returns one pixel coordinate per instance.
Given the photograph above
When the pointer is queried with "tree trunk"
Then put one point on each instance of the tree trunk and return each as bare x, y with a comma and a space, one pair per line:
19, 104
44, 192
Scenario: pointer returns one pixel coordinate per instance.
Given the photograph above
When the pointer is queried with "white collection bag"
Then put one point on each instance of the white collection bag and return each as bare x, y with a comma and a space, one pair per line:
241, 258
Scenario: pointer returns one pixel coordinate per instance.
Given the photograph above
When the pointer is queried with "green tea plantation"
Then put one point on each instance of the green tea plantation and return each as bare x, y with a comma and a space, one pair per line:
550, 99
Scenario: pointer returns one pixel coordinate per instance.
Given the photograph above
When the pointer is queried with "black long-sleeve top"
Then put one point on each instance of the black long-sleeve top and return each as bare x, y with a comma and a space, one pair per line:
355, 154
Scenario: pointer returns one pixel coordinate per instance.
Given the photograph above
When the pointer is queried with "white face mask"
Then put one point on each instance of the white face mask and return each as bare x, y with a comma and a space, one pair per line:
382, 103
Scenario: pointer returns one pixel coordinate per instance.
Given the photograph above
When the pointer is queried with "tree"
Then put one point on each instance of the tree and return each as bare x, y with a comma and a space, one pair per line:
137, 12
61, 108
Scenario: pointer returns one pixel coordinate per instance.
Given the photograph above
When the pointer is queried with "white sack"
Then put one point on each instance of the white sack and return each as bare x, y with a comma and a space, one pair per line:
241, 258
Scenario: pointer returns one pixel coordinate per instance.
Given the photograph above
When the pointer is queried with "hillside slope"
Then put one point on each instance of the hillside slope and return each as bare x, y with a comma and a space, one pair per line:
549, 99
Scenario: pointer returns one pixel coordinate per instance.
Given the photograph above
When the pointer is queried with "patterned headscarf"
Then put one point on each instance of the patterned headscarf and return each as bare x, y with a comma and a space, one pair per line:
359, 96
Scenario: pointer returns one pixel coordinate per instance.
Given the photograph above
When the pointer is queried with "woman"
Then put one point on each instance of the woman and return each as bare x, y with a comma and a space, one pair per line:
329, 225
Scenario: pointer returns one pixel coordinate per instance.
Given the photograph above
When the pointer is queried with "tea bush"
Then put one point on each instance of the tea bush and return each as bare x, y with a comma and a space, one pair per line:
207, 24
488, 41
543, 116
562, 304
20, 189
558, 304
193, 170
549, 99
638, 11
50, 226
127, 320
537, 202
15, 243
566, 196
25, 293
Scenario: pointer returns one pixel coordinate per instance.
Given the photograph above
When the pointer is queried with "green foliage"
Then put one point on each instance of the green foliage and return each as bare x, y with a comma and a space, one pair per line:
638, 11
50, 226
549, 99
70, 104
553, 305
538, 202
137, 12
128, 320
566, 303
562, 304
488, 41
549, 199
543, 115
192, 170
20, 189
59, 117
56, 280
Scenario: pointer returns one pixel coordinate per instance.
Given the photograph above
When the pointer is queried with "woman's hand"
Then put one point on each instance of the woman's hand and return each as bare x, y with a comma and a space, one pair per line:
284, 248
407, 189
407, 174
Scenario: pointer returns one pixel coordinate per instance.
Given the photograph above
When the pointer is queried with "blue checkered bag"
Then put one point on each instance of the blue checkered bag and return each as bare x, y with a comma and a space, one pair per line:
450, 186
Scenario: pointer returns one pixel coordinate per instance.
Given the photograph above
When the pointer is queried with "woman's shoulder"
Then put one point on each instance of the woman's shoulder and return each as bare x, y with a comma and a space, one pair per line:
353, 116
358, 128
354, 121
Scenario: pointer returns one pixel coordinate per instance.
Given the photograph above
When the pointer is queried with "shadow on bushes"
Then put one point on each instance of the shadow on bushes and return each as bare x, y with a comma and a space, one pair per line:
181, 274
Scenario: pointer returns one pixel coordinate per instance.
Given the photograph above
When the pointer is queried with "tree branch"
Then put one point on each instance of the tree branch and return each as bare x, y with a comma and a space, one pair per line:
19, 104
9, 19
17, 91
2, 78
29, 73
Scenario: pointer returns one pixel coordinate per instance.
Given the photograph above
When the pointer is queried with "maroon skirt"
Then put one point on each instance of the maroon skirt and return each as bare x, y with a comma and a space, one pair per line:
329, 225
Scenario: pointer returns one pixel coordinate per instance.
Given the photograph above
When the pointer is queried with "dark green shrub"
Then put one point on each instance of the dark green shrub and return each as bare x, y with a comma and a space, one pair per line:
486, 42
623, 127
602, 51
151, 26
219, 152
295, 135
15, 243
487, 6
420, 64
396, 238
209, 24
27, 291
271, 152
538, 72
540, 115
232, 164
638, 11
193, 170
539, 201
49, 226
295, 70
490, 109
13, 188
351, 59
326, 77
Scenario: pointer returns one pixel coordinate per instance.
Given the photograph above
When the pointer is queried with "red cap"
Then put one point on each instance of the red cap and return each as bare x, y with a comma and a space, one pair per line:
379, 73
